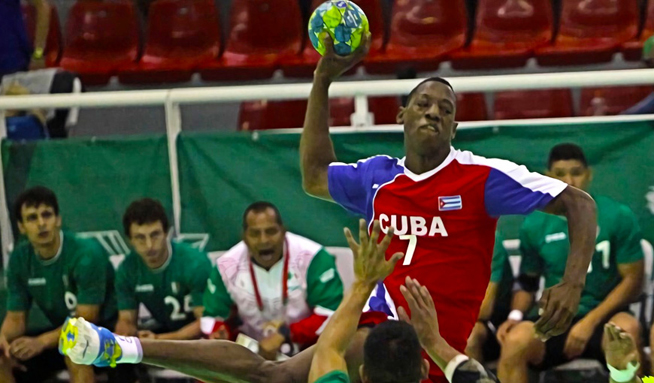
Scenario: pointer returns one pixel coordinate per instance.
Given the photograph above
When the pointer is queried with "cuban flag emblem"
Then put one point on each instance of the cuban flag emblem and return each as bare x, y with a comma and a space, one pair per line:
450, 203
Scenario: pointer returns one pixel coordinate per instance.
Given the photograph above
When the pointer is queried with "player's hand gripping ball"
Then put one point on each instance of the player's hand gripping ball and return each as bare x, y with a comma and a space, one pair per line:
343, 20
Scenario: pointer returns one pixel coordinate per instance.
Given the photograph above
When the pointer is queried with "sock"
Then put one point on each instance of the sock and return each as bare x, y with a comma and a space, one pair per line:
131, 349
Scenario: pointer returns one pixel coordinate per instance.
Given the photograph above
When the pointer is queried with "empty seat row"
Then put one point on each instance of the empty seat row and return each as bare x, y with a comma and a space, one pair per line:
183, 37
260, 115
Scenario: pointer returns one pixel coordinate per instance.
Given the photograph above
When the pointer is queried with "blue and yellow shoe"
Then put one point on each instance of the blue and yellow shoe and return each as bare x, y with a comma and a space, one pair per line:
86, 343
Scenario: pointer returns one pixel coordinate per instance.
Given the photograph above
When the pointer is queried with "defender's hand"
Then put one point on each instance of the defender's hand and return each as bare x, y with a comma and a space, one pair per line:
370, 264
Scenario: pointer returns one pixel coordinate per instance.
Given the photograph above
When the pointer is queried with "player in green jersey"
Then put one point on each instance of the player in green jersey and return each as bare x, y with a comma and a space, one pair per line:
60, 273
482, 343
614, 278
169, 278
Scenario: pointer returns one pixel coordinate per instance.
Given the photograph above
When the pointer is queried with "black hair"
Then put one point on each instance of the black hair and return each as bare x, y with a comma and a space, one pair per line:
430, 79
567, 151
34, 197
142, 211
392, 354
260, 207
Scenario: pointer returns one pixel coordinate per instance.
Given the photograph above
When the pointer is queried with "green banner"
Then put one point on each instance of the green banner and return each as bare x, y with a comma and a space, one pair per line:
220, 174
94, 179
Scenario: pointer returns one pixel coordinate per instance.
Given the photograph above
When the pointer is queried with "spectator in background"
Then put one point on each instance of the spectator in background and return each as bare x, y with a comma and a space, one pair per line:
169, 278
16, 51
614, 278
482, 343
23, 124
281, 286
64, 275
646, 106
56, 122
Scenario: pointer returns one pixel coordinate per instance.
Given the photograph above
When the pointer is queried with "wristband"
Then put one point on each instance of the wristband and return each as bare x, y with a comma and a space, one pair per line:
626, 375
516, 315
453, 364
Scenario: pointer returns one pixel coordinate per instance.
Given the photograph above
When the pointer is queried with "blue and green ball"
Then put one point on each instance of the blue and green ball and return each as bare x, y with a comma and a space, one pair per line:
343, 20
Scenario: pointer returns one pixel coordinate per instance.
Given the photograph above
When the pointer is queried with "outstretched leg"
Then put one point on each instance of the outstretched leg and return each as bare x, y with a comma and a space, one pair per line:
212, 361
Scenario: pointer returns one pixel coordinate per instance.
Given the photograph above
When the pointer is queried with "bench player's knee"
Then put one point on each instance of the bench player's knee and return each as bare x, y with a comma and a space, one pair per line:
521, 345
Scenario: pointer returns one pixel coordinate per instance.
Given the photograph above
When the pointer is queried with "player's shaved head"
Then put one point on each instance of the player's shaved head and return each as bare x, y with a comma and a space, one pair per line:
427, 80
392, 354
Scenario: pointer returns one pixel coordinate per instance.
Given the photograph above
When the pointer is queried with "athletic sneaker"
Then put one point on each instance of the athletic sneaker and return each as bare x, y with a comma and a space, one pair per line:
86, 343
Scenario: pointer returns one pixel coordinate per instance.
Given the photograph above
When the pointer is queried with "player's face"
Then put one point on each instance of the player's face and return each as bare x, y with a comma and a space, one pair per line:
39, 224
572, 172
150, 242
429, 119
264, 238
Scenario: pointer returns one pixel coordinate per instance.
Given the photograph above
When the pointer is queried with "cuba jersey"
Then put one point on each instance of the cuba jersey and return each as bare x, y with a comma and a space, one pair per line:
444, 222
170, 292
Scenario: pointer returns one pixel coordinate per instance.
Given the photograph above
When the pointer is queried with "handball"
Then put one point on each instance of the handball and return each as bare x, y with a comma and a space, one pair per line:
343, 20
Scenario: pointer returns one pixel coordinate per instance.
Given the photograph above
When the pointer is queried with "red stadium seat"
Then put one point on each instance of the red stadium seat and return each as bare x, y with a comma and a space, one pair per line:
385, 109
591, 31
633, 50
263, 33
533, 104
264, 115
471, 107
182, 35
101, 38
304, 64
422, 33
52, 52
506, 35
612, 100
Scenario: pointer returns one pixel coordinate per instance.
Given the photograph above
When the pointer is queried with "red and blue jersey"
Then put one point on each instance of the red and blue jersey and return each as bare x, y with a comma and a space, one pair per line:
444, 222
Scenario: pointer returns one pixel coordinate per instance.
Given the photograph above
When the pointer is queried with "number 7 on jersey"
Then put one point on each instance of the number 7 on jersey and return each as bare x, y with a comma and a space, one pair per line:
413, 242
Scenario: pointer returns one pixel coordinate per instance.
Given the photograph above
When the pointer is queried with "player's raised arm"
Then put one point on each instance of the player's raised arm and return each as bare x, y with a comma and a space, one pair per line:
559, 303
316, 148
370, 266
458, 368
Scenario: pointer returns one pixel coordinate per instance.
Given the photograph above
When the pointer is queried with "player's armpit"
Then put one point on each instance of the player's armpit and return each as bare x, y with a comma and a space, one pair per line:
315, 183
567, 200
324, 361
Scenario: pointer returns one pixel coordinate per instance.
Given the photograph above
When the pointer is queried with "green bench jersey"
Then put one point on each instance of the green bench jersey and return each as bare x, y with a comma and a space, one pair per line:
170, 292
544, 245
79, 274
501, 274
335, 376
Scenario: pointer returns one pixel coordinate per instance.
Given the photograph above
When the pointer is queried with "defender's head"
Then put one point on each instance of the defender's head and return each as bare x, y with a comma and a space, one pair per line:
37, 214
264, 233
146, 225
392, 354
567, 163
428, 117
